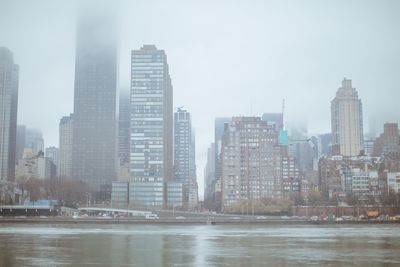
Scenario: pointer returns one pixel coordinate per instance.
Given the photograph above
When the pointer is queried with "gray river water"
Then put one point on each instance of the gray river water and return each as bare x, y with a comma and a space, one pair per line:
198, 245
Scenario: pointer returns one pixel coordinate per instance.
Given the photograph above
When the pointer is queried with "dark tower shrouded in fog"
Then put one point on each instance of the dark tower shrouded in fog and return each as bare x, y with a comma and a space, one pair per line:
8, 114
94, 125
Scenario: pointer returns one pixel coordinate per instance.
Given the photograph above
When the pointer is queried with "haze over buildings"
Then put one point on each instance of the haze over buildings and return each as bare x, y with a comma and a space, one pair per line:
95, 103
287, 49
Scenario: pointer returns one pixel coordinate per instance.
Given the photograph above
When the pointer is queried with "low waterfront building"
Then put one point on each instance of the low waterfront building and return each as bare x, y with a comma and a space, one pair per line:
175, 194
119, 194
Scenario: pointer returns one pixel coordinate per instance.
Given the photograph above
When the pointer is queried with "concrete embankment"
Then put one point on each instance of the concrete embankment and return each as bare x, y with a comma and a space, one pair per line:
220, 221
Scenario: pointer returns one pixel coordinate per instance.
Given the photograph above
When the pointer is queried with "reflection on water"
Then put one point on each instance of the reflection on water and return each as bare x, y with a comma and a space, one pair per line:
191, 245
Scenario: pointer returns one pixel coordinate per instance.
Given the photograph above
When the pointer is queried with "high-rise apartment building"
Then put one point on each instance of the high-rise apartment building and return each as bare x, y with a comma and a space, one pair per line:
249, 161
94, 125
151, 151
124, 127
8, 114
388, 143
65, 139
347, 120
184, 153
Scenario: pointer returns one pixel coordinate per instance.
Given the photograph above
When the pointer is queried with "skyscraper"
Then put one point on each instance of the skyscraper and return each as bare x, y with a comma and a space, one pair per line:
94, 125
8, 114
347, 120
209, 177
53, 153
65, 139
219, 125
151, 153
21, 132
184, 167
124, 138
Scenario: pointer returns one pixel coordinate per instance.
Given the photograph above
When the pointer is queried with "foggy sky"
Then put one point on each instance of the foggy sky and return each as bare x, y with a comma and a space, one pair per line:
226, 58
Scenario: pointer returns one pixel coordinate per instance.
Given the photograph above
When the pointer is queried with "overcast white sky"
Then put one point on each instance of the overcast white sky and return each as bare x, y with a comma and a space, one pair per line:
226, 57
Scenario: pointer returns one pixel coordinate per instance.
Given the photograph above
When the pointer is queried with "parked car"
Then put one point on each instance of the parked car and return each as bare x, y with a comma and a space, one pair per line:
152, 216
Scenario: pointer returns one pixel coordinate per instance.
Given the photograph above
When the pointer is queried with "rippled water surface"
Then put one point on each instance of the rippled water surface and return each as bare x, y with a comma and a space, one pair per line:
198, 245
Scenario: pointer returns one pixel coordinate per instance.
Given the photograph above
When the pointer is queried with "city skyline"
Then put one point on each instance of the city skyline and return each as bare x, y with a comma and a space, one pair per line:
200, 133
373, 89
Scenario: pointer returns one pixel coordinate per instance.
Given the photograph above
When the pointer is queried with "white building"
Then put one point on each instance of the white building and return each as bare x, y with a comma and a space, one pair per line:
347, 120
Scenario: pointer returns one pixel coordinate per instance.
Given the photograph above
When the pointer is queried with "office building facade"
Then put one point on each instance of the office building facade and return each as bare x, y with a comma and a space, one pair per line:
65, 140
388, 143
250, 161
184, 153
151, 136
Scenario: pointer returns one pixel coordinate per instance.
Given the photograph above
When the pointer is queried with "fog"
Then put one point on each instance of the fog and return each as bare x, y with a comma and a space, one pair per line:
226, 58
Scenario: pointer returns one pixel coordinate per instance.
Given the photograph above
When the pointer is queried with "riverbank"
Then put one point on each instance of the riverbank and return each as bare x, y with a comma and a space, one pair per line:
219, 221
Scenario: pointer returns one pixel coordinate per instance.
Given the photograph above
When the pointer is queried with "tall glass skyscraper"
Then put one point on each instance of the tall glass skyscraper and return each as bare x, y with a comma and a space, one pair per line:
151, 153
8, 114
94, 125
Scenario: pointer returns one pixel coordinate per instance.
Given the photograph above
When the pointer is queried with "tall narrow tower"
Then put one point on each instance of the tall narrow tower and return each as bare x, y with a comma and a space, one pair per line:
8, 114
184, 152
94, 124
151, 152
65, 144
347, 120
